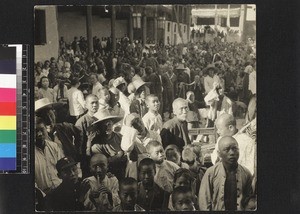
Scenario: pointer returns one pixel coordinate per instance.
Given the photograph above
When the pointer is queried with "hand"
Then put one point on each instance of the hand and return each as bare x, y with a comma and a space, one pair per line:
120, 154
88, 151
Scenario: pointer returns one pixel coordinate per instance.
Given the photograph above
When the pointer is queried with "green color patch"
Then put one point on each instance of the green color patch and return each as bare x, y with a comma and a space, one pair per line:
8, 136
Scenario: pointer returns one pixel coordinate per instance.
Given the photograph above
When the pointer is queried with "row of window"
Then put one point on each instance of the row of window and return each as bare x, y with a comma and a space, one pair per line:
234, 22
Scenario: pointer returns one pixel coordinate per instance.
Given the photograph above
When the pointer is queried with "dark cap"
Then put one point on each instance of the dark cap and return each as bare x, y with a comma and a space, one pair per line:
65, 163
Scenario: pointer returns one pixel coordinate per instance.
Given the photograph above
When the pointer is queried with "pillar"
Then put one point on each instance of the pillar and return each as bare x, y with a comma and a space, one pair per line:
242, 22
228, 16
131, 24
216, 15
144, 29
155, 28
89, 31
113, 27
188, 18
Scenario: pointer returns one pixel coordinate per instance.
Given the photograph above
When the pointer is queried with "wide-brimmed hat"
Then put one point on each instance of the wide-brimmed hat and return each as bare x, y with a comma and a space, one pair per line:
139, 83
65, 163
104, 115
45, 102
119, 81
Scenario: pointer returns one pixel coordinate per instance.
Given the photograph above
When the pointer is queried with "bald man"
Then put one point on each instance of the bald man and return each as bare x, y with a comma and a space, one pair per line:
175, 131
100, 191
226, 185
226, 126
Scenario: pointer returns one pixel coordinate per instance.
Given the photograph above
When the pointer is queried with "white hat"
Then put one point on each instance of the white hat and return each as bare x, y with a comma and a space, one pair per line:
131, 88
180, 66
45, 102
119, 81
138, 83
104, 114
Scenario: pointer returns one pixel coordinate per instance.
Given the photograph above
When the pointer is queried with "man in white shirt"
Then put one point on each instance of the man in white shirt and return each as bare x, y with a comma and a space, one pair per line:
76, 100
252, 82
96, 84
208, 79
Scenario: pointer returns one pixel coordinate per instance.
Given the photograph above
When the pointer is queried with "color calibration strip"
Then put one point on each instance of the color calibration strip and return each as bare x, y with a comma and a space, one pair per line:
8, 108
14, 109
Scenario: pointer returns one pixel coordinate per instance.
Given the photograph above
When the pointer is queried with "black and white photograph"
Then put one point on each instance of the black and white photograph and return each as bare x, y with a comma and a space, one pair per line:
145, 107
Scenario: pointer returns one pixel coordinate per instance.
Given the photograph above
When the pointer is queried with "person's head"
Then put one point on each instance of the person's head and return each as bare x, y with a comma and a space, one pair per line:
173, 154
190, 96
148, 70
211, 72
189, 157
183, 199
104, 94
99, 165
44, 82
228, 150
40, 132
94, 78
180, 108
134, 120
128, 191
67, 170
152, 103
75, 82
92, 103
183, 177
141, 92
146, 172
226, 125
156, 151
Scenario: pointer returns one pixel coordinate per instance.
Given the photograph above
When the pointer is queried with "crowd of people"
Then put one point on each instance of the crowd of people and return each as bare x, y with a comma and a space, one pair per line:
112, 127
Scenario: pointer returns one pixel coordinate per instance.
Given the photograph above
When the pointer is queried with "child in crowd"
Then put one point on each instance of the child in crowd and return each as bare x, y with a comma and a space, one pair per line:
165, 169
183, 177
152, 119
100, 191
173, 154
150, 195
182, 199
128, 191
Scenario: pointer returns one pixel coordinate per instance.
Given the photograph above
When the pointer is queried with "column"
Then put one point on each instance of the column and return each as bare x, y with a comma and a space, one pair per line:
144, 29
188, 18
242, 22
155, 28
113, 27
228, 16
216, 15
89, 31
131, 24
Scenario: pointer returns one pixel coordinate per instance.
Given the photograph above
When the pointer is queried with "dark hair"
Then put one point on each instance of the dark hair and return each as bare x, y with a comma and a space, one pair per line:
185, 173
180, 190
41, 80
146, 162
74, 81
127, 181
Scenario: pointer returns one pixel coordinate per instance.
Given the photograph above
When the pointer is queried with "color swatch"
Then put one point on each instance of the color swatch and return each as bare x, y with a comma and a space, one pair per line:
8, 107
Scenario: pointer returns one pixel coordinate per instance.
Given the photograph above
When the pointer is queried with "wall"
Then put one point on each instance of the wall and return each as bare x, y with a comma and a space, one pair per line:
74, 24
44, 52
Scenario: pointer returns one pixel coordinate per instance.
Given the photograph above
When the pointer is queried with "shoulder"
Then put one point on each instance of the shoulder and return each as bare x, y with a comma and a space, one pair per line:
244, 171
171, 165
169, 124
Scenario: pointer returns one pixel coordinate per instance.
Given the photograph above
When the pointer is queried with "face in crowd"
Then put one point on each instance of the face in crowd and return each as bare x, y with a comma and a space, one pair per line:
226, 125
147, 173
44, 82
128, 195
153, 103
228, 150
92, 104
69, 174
40, 133
180, 109
157, 154
99, 165
183, 200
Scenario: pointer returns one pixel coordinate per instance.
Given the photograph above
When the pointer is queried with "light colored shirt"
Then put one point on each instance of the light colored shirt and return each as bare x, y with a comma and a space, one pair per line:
76, 101
45, 166
153, 121
211, 193
96, 89
49, 93
110, 183
252, 82
208, 84
164, 176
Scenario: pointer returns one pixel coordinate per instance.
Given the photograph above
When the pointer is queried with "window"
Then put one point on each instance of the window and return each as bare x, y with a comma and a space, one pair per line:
175, 28
234, 22
169, 26
184, 28
205, 21
223, 22
39, 27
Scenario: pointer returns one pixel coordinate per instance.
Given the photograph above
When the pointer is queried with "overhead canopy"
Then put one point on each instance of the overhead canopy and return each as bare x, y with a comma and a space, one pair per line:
210, 13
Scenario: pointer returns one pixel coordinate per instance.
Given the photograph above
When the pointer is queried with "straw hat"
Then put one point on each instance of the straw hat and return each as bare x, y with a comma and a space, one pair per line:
119, 81
104, 115
45, 102
138, 83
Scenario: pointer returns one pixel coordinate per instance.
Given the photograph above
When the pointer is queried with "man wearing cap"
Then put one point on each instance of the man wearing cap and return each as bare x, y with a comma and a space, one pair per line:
47, 153
76, 101
138, 105
107, 142
66, 196
175, 130
226, 185
92, 105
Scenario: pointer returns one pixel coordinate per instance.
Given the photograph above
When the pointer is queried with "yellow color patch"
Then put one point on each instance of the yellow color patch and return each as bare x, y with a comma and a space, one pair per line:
8, 123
